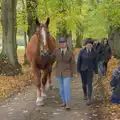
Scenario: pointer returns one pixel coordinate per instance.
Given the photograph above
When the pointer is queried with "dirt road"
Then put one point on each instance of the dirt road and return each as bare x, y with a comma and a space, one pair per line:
22, 106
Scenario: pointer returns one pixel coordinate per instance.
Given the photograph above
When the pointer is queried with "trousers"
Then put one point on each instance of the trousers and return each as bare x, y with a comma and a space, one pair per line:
64, 88
87, 79
102, 69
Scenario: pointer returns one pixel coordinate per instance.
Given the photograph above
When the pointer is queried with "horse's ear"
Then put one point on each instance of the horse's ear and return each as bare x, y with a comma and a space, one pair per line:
47, 22
37, 22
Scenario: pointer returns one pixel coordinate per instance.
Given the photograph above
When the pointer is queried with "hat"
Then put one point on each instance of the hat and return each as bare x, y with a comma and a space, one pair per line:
88, 41
62, 40
119, 68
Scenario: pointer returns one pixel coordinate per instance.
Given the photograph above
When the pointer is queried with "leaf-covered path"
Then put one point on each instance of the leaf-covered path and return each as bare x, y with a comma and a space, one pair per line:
22, 106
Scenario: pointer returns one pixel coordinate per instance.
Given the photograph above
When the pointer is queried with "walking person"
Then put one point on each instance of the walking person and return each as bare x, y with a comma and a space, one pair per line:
65, 68
115, 84
107, 53
86, 65
100, 57
95, 44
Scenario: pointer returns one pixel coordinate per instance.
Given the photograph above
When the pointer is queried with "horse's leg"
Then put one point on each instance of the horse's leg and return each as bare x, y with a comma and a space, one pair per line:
50, 81
50, 86
44, 81
37, 75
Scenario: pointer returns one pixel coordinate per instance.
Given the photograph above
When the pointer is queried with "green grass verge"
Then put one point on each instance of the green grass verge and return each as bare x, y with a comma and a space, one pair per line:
18, 48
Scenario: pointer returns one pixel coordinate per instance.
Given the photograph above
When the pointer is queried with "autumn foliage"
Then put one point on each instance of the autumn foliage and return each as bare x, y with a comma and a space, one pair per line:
10, 85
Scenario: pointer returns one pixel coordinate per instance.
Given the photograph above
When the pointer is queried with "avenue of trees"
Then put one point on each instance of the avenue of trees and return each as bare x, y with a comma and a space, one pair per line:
76, 19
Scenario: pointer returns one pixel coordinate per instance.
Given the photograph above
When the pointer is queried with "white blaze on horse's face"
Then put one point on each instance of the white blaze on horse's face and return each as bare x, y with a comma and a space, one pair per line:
43, 33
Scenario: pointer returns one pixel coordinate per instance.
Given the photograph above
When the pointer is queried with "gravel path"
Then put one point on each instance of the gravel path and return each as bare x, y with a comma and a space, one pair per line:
22, 106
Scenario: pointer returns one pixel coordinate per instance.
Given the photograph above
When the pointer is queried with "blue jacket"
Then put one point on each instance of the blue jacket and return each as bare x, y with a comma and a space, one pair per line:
115, 81
87, 61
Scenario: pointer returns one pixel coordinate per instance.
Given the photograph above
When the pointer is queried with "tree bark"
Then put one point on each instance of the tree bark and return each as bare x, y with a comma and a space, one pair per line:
4, 18
32, 14
78, 41
25, 34
79, 36
69, 41
9, 31
114, 39
25, 58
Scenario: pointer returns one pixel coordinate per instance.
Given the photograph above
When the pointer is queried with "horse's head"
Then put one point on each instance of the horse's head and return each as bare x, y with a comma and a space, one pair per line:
43, 30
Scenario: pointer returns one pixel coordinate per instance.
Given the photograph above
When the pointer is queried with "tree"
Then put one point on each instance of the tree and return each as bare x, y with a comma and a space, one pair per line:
9, 32
79, 37
32, 14
65, 16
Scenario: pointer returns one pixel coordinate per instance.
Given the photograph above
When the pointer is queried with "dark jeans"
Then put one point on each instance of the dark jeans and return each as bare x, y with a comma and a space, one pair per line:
105, 64
102, 68
87, 78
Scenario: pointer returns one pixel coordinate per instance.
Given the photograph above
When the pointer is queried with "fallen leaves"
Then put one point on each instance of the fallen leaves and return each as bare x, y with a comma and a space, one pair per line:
112, 110
10, 85
13, 84
102, 92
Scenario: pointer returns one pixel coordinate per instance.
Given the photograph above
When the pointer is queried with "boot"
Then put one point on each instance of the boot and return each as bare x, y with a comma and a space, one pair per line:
89, 102
85, 93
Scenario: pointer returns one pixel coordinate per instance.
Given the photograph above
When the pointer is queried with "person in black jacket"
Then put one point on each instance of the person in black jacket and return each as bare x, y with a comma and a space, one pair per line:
86, 65
95, 44
107, 53
100, 57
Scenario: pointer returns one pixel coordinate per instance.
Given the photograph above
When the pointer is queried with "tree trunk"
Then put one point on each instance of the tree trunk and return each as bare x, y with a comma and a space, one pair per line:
69, 41
9, 32
32, 14
4, 18
78, 41
79, 36
25, 58
114, 40
25, 40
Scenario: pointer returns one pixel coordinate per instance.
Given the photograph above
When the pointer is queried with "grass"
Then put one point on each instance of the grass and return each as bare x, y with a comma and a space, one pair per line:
18, 48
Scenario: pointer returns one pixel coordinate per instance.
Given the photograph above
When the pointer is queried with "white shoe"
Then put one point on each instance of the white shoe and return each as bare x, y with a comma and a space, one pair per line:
39, 101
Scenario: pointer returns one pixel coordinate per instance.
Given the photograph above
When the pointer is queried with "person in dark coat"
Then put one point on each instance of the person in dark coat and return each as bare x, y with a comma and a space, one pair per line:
100, 57
86, 65
115, 84
107, 53
95, 44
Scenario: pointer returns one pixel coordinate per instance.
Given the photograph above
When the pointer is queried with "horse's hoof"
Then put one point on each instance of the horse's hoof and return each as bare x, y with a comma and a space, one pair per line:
43, 95
39, 104
39, 101
50, 87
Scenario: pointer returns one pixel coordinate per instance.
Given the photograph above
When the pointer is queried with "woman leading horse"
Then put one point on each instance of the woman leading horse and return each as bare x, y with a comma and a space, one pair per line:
37, 52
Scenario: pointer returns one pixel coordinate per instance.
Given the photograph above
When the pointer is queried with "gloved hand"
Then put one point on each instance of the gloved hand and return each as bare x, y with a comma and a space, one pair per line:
75, 75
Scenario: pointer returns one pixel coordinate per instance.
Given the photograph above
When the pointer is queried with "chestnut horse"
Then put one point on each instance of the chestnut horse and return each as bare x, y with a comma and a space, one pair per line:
37, 52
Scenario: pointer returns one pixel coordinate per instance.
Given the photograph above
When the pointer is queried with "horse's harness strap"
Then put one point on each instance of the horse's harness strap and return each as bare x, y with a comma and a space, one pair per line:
45, 54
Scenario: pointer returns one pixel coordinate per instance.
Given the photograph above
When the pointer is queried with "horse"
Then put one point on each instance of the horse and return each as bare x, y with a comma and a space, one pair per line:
38, 50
